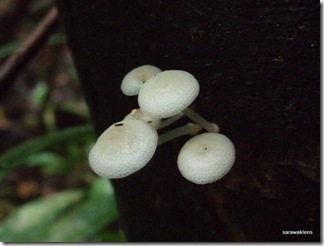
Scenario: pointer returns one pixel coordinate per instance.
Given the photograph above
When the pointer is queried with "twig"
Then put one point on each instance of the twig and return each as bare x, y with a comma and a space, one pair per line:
28, 49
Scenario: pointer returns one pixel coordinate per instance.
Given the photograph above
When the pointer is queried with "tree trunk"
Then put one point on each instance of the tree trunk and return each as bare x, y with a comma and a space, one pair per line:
258, 64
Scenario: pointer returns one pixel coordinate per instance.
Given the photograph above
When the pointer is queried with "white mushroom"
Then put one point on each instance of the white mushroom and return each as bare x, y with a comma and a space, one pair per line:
171, 120
133, 81
156, 123
188, 129
210, 127
168, 93
122, 149
206, 158
138, 114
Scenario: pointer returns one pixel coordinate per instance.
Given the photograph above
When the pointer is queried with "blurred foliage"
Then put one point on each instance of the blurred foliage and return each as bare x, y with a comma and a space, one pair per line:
15, 156
67, 216
69, 203
28, 222
10, 48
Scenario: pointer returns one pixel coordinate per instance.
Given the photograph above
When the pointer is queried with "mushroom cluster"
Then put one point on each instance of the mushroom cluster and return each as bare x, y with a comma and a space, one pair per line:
163, 97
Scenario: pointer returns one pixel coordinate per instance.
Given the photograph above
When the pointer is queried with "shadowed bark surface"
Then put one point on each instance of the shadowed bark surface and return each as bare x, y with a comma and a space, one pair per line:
258, 64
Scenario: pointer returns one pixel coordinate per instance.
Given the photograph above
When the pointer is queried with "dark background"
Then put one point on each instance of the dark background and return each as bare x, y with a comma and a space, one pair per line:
258, 64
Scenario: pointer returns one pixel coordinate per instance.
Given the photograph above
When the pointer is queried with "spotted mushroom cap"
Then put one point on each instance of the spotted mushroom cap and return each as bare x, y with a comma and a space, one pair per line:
133, 81
122, 149
206, 158
138, 114
168, 93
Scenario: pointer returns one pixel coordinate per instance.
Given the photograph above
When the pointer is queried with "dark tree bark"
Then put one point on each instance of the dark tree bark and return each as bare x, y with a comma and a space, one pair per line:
258, 63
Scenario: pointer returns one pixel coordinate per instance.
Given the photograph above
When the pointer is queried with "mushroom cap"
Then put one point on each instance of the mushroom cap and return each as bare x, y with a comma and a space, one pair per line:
133, 80
138, 114
206, 158
123, 148
168, 93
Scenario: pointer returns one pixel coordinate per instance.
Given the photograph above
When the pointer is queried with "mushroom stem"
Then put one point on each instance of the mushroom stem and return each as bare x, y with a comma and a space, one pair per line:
190, 128
171, 120
210, 127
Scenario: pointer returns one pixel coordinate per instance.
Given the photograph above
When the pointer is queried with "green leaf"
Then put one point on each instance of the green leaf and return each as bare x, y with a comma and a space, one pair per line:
15, 156
112, 236
10, 48
52, 163
57, 38
44, 158
31, 221
88, 218
39, 94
